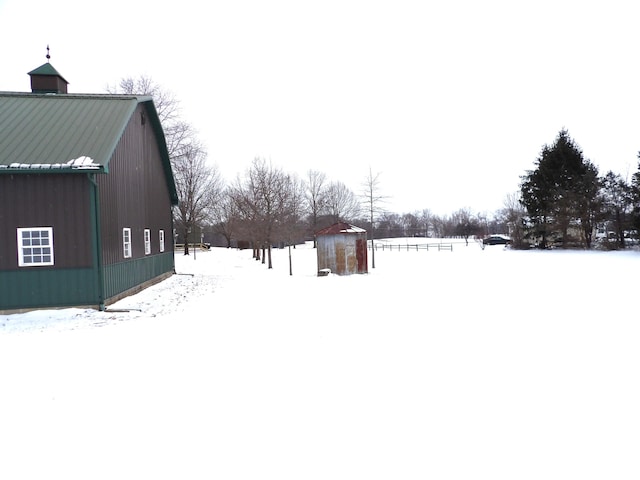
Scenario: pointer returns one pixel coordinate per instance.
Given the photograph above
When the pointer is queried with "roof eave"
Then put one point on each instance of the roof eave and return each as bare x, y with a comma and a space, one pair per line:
162, 146
53, 170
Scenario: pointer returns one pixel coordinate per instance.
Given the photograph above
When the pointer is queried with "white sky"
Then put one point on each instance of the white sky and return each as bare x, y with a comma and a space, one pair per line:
450, 102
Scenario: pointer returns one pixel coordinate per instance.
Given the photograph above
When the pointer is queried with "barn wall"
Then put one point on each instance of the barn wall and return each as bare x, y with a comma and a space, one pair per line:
134, 194
60, 201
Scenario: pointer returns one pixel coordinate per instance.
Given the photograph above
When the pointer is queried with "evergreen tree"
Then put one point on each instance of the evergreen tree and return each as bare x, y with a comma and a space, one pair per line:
560, 191
635, 199
616, 204
588, 201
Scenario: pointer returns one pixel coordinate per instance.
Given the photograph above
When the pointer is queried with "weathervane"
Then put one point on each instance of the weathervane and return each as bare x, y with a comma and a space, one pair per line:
48, 56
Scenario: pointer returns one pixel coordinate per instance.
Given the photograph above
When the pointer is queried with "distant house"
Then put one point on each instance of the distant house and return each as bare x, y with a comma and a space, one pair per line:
86, 191
342, 249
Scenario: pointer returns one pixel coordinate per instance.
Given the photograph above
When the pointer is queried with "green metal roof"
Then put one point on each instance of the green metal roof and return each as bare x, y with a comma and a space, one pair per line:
45, 132
46, 69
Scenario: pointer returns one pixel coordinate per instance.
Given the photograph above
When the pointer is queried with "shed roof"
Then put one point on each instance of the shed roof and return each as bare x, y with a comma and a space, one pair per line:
340, 227
69, 133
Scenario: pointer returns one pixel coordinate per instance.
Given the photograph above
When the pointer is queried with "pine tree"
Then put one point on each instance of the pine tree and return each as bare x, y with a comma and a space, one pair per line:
635, 199
560, 191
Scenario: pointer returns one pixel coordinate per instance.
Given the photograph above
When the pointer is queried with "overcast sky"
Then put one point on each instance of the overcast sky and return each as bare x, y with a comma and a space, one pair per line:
450, 102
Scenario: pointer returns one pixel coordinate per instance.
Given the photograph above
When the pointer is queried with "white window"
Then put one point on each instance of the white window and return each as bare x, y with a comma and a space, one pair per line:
161, 237
147, 241
35, 246
126, 242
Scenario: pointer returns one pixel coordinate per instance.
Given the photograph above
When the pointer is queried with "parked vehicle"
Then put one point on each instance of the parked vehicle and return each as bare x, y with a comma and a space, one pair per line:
496, 240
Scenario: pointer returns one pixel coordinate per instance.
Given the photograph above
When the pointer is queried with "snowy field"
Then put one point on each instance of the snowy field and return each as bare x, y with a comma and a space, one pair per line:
493, 363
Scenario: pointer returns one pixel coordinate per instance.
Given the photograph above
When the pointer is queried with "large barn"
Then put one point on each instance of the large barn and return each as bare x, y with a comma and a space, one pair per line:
86, 192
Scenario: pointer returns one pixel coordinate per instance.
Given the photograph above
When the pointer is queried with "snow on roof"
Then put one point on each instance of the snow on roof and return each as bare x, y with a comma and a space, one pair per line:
340, 227
80, 163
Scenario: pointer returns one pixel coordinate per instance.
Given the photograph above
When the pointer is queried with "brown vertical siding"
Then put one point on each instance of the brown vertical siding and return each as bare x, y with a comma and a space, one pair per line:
361, 254
134, 193
34, 201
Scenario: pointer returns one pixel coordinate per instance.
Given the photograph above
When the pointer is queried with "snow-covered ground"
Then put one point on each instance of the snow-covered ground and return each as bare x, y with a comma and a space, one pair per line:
493, 363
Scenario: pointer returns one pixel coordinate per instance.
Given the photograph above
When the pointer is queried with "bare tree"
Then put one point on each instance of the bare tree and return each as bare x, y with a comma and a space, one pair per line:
165, 102
199, 187
293, 210
426, 220
226, 217
342, 204
244, 205
513, 214
390, 225
439, 226
292, 227
372, 200
266, 203
177, 133
465, 224
316, 198
411, 224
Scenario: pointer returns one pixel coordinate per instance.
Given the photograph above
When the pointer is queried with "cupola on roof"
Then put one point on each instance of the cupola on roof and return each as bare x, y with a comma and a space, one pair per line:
46, 79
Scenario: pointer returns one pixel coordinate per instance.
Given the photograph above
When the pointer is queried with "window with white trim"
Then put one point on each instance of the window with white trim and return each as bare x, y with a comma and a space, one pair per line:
161, 238
126, 242
35, 246
147, 241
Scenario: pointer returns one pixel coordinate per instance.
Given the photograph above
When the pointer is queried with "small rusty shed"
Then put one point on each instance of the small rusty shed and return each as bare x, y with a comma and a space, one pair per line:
342, 248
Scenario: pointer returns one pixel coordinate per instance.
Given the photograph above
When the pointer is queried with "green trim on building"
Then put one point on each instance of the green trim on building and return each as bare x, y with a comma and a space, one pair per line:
96, 236
39, 287
123, 276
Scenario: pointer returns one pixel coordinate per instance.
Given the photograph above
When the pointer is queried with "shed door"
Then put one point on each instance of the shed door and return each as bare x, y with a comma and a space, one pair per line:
361, 253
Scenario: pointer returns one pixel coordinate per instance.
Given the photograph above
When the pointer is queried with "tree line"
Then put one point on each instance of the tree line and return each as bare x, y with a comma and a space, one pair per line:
562, 201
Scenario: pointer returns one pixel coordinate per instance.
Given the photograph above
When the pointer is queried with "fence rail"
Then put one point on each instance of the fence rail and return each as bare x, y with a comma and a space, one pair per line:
201, 246
415, 246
